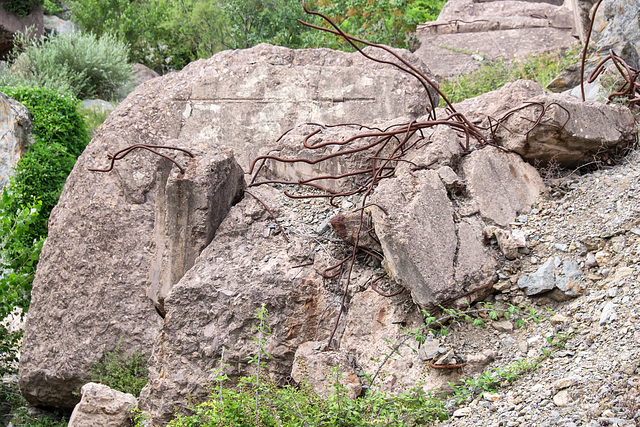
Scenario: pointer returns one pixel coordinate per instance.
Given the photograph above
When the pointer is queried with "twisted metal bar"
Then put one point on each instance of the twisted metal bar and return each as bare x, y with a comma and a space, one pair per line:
125, 151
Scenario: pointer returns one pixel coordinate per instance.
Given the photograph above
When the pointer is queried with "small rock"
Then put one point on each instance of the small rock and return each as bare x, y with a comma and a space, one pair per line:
602, 258
562, 398
569, 281
102, 406
323, 227
562, 247
565, 382
608, 313
591, 261
503, 326
448, 176
542, 280
629, 367
430, 350
559, 319
618, 244
491, 397
447, 359
463, 412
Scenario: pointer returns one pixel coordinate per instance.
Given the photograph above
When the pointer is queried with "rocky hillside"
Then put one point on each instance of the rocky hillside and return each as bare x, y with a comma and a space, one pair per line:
328, 188
589, 346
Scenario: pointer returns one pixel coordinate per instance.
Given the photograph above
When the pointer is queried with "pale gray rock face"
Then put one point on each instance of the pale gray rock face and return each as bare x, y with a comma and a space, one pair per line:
102, 406
500, 185
417, 234
468, 32
15, 127
435, 253
247, 98
119, 241
571, 132
323, 369
616, 26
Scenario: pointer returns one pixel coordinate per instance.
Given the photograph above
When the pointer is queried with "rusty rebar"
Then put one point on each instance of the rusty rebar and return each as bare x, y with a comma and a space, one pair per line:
270, 213
584, 50
125, 151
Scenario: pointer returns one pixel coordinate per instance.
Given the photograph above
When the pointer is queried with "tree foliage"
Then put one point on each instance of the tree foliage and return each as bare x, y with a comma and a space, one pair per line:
27, 201
21, 7
166, 35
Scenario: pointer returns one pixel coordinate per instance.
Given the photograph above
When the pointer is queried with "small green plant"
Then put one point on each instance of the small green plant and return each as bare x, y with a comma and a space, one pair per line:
52, 7
79, 63
290, 406
492, 379
127, 374
138, 418
23, 419
494, 75
258, 401
93, 117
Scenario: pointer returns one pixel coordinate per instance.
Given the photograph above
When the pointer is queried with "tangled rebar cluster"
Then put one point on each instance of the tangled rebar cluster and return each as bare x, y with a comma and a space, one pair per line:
385, 149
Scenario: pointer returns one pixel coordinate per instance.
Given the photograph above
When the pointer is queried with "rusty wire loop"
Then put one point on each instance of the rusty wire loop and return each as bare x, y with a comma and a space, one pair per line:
544, 109
630, 88
152, 148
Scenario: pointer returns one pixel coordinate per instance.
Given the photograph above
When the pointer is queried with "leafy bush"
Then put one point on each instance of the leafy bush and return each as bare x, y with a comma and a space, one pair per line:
292, 406
82, 64
21, 7
166, 35
116, 370
26, 202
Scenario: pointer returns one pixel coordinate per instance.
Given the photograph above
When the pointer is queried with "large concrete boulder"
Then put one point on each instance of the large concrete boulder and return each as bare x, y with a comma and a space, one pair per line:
570, 133
245, 99
15, 126
500, 185
102, 406
436, 251
467, 32
119, 241
214, 305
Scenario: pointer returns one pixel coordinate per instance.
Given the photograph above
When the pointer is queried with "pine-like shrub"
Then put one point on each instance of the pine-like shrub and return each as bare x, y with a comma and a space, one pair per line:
82, 64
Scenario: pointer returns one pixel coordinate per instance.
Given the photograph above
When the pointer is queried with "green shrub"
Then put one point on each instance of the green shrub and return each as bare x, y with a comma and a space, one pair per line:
82, 64
55, 117
26, 202
494, 75
116, 370
292, 406
167, 35
52, 7
21, 7
258, 401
